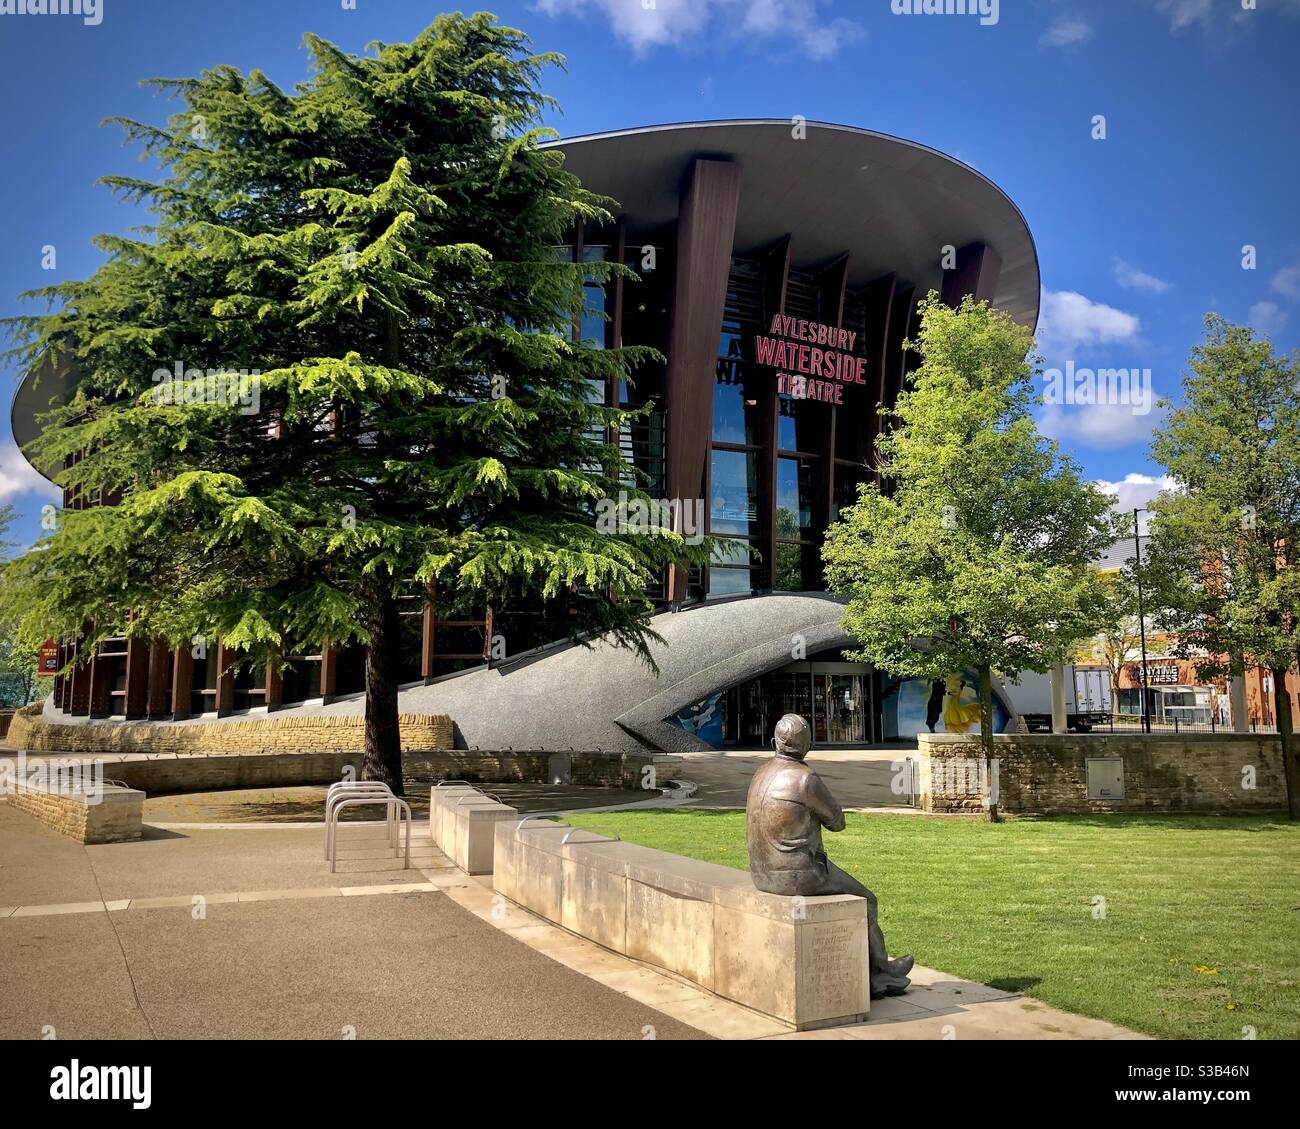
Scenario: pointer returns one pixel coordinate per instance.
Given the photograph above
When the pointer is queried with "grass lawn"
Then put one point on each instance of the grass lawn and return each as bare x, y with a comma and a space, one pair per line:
1199, 938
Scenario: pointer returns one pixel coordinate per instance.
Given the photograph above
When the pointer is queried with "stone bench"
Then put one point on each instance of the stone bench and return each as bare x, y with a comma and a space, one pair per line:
461, 823
800, 960
107, 814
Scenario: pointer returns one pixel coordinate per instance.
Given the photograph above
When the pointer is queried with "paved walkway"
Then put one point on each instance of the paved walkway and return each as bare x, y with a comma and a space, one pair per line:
860, 779
243, 933
109, 942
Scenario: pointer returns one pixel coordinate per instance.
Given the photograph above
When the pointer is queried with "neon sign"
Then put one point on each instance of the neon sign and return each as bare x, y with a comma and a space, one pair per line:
815, 360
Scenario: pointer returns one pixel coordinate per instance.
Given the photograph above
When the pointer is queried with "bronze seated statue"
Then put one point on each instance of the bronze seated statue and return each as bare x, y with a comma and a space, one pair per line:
787, 807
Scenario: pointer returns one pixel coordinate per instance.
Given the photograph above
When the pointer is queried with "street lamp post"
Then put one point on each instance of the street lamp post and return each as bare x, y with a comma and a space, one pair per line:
1142, 623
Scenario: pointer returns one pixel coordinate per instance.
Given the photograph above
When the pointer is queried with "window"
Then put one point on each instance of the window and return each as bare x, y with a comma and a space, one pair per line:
737, 404
802, 425
797, 567
729, 582
733, 506
795, 482
591, 327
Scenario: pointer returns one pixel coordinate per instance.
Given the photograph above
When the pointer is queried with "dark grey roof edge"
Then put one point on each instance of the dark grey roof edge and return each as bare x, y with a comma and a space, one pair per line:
929, 150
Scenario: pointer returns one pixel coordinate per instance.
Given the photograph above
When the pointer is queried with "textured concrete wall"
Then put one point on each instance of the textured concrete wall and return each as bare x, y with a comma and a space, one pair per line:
1047, 773
801, 960
114, 816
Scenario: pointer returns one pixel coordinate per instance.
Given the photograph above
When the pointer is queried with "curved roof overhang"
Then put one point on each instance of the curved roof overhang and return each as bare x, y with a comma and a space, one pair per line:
51, 385
891, 204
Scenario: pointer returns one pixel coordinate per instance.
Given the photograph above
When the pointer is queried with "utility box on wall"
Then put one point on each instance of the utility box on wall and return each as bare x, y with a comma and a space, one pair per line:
1105, 778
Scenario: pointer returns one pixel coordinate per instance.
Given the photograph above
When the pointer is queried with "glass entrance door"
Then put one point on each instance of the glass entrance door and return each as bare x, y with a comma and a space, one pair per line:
841, 715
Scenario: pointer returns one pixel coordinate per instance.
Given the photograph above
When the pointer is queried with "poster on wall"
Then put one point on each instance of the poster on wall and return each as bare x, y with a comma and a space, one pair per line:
703, 719
912, 706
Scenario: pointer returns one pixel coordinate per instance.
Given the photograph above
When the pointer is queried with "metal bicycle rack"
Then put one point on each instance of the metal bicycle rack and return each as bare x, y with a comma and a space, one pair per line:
374, 797
344, 788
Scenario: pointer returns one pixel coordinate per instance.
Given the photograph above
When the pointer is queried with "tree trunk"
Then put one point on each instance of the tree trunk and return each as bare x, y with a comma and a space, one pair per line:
383, 745
1282, 709
986, 737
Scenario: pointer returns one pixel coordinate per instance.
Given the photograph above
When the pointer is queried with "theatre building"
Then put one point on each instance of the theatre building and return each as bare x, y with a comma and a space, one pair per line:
780, 265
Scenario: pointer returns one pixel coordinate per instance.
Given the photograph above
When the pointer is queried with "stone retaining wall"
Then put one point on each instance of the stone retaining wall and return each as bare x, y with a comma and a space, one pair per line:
1048, 774
198, 773
113, 816
344, 733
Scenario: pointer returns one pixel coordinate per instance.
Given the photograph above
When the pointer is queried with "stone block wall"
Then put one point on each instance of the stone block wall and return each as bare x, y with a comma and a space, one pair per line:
1047, 773
344, 733
195, 772
113, 816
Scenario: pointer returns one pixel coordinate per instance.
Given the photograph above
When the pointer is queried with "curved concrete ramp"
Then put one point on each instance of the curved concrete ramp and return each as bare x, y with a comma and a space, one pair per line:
605, 697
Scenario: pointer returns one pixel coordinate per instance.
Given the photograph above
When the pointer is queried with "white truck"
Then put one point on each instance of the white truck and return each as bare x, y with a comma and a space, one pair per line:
1088, 698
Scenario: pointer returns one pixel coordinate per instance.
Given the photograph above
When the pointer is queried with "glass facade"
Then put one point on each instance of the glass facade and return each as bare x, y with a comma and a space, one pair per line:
781, 466
840, 701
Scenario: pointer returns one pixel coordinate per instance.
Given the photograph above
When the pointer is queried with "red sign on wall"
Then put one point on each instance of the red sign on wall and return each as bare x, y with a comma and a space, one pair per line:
817, 360
49, 660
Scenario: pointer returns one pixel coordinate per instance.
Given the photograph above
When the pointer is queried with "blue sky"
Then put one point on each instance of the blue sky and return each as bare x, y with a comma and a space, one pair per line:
1138, 234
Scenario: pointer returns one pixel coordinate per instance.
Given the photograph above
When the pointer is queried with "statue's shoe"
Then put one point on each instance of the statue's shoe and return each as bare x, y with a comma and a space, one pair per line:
891, 980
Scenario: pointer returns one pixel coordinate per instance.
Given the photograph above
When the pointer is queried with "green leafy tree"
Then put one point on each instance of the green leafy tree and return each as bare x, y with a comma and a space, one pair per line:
1223, 567
20, 680
380, 247
979, 552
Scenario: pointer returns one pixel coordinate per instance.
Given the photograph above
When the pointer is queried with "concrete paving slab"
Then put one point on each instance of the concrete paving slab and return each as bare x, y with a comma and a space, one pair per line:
37, 864
212, 862
67, 973
388, 967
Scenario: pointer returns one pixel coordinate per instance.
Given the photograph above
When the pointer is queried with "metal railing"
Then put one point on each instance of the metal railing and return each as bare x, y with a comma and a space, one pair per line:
1173, 723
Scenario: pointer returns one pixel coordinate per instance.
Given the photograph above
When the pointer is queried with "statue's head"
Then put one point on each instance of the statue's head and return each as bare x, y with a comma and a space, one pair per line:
793, 738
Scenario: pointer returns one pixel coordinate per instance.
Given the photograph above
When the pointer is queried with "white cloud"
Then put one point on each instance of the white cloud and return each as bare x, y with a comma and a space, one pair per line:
18, 477
1184, 13
1187, 13
1135, 491
1098, 426
674, 22
1287, 280
1267, 317
1065, 32
1131, 278
1068, 320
